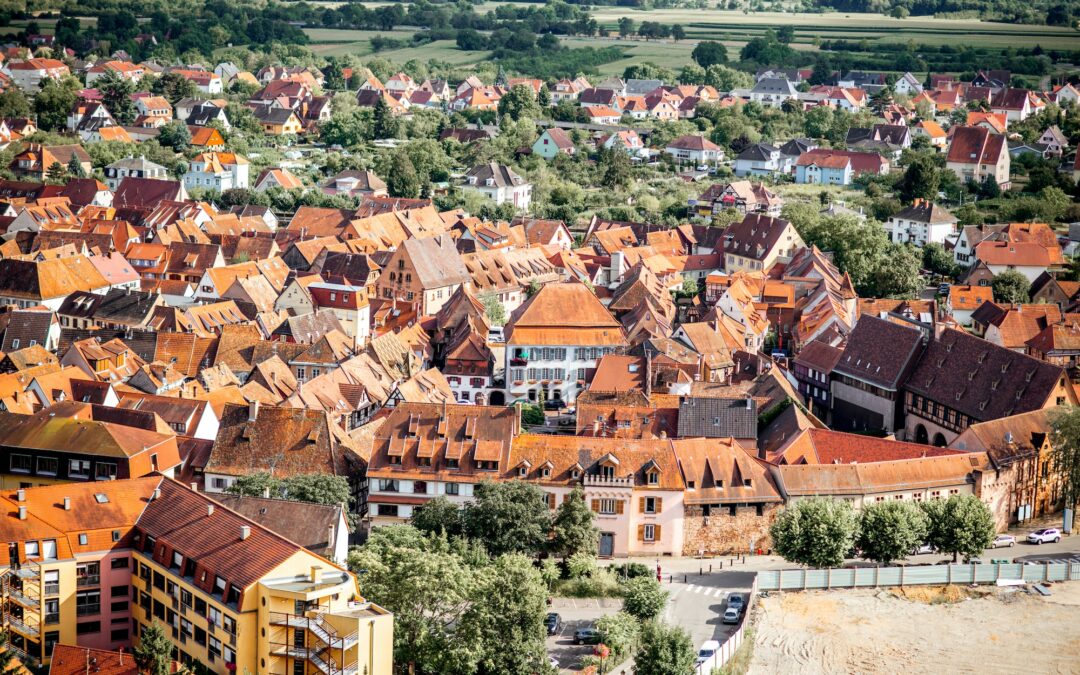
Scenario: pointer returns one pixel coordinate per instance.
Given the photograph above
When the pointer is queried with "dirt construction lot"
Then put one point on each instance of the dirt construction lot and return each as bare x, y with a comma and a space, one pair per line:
919, 630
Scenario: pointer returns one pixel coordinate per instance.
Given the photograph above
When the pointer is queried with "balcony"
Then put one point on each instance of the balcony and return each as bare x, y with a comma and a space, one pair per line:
87, 581
518, 362
591, 480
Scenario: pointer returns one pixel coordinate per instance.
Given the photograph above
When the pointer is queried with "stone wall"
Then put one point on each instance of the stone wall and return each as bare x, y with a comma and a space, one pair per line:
724, 533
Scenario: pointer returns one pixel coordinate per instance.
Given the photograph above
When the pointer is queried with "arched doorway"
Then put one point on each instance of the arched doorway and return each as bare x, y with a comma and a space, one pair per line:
939, 440
497, 398
920, 435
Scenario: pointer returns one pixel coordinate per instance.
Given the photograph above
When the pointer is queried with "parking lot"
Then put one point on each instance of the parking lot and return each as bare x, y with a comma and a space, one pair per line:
576, 613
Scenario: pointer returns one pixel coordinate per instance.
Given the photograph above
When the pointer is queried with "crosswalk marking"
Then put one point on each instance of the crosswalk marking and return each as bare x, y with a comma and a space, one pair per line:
692, 588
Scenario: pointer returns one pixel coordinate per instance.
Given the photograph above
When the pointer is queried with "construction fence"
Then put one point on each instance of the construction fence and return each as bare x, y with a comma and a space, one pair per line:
873, 577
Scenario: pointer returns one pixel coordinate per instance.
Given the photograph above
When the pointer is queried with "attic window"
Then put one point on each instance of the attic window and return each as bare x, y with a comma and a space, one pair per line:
546, 472
101, 498
746, 482
522, 471
653, 478
575, 474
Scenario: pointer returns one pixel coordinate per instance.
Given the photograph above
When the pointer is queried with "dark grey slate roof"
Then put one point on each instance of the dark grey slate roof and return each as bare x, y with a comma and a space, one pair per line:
718, 417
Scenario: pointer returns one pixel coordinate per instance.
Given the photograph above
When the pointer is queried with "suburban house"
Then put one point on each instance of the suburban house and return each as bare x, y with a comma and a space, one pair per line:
218, 171
499, 183
758, 159
424, 271
694, 149
758, 242
741, 195
922, 223
553, 142
976, 155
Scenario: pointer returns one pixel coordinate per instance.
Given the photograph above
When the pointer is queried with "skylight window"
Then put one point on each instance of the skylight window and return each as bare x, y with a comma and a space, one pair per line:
101, 498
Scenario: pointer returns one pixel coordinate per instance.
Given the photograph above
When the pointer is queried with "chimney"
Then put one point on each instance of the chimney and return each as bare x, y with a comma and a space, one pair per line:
194, 487
245, 532
155, 495
330, 535
22, 513
20, 496
266, 492
517, 416
209, 510
253, 411
67, 503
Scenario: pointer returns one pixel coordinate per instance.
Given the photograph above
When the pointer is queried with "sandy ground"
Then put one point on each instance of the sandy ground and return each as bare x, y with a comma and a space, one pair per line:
919, 630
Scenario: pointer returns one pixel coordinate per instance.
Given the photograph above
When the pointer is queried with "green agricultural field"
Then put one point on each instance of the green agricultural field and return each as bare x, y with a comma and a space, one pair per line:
440, 50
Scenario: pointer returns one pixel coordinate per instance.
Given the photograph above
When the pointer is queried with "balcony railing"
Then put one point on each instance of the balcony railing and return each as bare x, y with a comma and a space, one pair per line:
608, 481
88, 580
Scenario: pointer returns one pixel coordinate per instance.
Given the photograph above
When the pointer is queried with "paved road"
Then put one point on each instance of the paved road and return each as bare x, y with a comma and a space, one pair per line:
699, 604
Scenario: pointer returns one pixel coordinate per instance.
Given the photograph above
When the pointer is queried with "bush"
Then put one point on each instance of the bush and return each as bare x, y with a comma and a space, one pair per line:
632, 570
644, 598
602, 584
581, 565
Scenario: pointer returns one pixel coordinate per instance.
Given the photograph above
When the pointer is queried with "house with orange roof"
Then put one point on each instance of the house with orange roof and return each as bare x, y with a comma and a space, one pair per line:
126, 70
975, 154
218, 171
1029, 258
931, 131
963, 300
603, 115
207, 138
473, 99
28, 74
276, 178
992, 121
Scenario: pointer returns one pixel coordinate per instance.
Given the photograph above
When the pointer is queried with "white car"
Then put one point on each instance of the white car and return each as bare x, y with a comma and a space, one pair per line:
1003, 540
703, 167
1044, 535
707, 651
496, 335
922, 549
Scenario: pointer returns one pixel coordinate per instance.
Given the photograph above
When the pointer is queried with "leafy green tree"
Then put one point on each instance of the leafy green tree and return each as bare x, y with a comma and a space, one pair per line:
508, 517
509, 620
173, 87
402, 181
543, 99
469, 39
891, 530
626, 27
10, 663
75, 168
54, 101
347, 129
384, 124
531, 415
14, 103
859, 248
939, 261
643, 598
581, 564
896, 274
318, 488
816, 532
494, 311
255, 485
961, 524
664, 650
920, 180
116, 95
1011, 286
429, 589
678, 33
519, 102
1064, 456
614, 167
786, 34
175, 135
574, 526
619, 631
437, 516
154, 653
56, 174
709, 53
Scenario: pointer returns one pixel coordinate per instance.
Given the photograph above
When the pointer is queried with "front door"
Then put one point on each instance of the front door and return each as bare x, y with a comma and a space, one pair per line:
607, 544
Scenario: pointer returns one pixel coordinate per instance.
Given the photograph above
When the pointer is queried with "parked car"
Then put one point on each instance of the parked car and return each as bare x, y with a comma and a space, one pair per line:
1044, 535
922, 549
554, 623
732, 614
708, 649
943, 289
554, 404
736, 600
972, 560
1003, 540
587, 636
703, 167
553, 662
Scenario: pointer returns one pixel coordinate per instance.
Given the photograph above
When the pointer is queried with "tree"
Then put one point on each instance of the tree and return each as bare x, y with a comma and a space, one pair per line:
9, 661
689, 286
574, 526
154, 653
643, 598
543, 99
519, 102
664, 650
816, 532
255, 485
494, 310
626, 27
75, 168
347, 129
678, 33
508, 517
438, 516
384, 124
709, 53
402, 181
175, 135
890, 530
1065, 452
920, 180
939, 261
614, 168
619, 632
54, 101
14, 103
318, 488
959, 524
56, 174
173, 87
896, 274
509, 620
1011, 286
786, 34
116, 95
531, 415
469, 39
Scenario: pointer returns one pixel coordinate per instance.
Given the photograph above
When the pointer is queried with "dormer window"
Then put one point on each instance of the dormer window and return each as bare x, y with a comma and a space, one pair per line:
653, 478
575, 474
522, 471
546, 473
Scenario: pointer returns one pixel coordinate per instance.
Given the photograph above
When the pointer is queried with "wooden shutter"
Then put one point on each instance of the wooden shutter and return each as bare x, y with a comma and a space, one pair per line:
596, 506
659, 504
551, 500
618, 507
641, 505
641, 533
566, 497
656, 533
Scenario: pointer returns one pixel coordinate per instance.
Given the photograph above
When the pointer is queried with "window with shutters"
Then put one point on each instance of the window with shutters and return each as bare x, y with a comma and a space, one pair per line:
651, 504
607, 507
551, 500
650, 533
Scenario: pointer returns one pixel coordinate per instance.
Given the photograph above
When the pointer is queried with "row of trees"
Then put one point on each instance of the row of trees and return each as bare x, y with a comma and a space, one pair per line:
822, 532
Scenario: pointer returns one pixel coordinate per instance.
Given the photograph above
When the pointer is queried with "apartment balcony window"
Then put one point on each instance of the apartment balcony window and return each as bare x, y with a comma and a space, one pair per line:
78, 468
87, 603
88, 574
47, 466
52, 611
52, 582
21, 463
